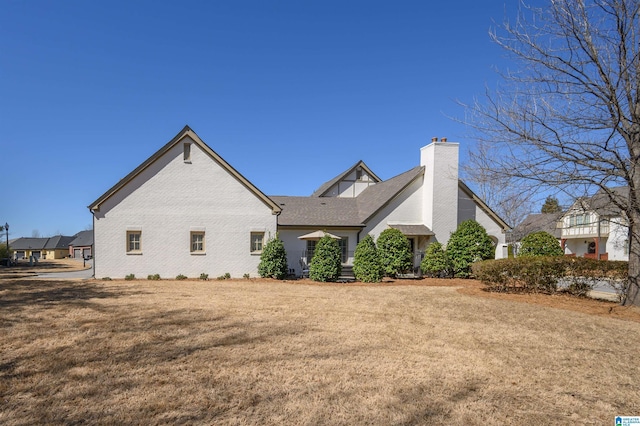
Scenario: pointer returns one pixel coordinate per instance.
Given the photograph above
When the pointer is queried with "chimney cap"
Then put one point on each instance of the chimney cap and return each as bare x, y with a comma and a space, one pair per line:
443, 140
434, 139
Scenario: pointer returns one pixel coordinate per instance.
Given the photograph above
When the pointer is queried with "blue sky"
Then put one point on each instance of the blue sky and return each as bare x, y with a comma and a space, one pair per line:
290, 93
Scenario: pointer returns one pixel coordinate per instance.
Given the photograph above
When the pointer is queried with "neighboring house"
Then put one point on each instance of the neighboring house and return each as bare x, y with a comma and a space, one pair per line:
82, 245
186, 211
536, 222
56, 247
596, 228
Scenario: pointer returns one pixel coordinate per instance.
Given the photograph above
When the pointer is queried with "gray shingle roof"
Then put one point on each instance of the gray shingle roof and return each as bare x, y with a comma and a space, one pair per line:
375, 197
317, 211
547, 222
412, 230
601, 201
29, 244
58, 242
82, 238
336, 211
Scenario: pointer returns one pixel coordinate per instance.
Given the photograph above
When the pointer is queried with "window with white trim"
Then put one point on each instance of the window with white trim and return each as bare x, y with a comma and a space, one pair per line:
257, 242
197, 242
134, 241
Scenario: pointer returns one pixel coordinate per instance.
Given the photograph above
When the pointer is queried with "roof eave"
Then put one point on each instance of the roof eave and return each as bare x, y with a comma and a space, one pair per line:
186, 131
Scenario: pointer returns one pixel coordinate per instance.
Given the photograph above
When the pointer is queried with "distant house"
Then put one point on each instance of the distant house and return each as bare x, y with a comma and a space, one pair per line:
595, 227
82, 245
187, 211
56, 247
537, 222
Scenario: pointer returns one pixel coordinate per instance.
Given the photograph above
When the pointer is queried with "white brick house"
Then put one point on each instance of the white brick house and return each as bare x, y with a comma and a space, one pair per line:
186, 211
183, 211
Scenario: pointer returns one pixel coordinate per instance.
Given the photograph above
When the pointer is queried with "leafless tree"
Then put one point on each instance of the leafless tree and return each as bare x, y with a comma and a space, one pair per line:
569, 116
511, 200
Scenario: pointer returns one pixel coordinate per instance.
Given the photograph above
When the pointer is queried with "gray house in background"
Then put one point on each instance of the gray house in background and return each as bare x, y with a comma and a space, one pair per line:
56, 247
82, 245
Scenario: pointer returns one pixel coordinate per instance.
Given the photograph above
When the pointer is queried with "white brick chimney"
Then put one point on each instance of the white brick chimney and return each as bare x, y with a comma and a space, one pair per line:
440, 187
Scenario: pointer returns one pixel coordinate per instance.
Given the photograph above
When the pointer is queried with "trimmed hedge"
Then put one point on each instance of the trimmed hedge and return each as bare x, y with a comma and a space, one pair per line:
542, 274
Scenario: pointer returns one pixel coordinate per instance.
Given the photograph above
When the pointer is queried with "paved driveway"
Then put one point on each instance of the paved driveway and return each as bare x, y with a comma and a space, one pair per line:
84, 274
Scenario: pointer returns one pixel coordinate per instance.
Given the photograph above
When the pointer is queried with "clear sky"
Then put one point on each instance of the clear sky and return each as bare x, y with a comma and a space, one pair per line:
289, 92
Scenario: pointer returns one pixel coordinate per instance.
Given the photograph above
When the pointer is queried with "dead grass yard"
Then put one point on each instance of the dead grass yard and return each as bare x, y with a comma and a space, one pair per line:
265, 352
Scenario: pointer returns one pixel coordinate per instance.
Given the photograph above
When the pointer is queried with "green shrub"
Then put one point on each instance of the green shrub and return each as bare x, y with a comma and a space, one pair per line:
469, 243
154, 277
273, 260
326, 263
395, 254
246, 276
204, 277
535, 274
540, 244
436, 262
521, 274
181, 277
106, 278
130, 277
366, 263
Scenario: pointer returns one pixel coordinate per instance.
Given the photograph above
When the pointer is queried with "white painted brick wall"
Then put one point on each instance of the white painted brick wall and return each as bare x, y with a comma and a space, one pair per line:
440, 189
167, 201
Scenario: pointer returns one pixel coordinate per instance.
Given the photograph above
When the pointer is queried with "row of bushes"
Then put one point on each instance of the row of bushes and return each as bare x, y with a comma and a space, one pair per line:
548, 274
389, 256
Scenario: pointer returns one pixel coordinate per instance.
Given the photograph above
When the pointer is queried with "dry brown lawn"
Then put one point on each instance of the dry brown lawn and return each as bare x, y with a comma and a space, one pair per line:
265, 352
22, 269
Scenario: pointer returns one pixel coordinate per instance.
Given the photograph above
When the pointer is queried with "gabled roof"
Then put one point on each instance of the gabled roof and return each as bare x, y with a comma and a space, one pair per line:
328, 184
82, 238
483, 205
547, 222
601, 202
184, 133
58, 242
317, 211
376, 197
29, 244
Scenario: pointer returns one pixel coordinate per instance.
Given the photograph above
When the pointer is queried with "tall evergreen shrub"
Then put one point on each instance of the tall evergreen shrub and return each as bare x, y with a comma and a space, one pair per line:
395, 252
366, 263
469, 243
540, 244
273, 260
326, 263
436, 262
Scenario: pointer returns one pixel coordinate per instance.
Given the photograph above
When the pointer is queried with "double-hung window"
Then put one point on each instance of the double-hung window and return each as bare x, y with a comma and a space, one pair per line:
134, 241
257, 242
197, 242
